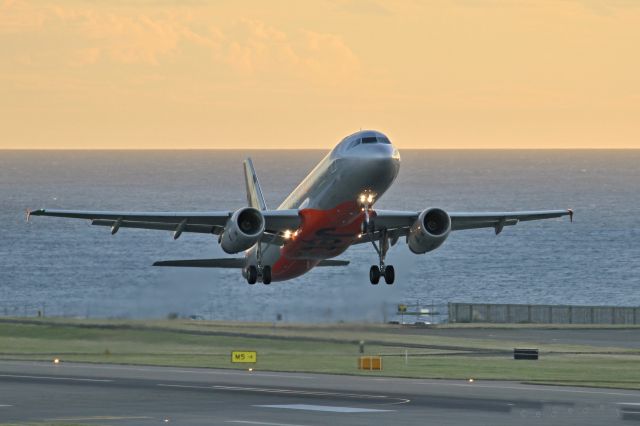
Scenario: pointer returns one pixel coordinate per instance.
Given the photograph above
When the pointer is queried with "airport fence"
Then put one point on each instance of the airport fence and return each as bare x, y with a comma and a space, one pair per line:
542, 314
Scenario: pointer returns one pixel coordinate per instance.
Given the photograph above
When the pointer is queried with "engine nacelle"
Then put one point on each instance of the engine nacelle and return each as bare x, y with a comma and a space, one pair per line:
243, 229
429, 231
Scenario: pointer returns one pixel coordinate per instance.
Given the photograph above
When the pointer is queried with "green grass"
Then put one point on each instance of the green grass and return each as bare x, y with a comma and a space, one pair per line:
322, 349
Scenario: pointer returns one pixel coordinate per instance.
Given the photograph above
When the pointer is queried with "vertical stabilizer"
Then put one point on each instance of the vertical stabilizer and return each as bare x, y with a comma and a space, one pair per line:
254, 192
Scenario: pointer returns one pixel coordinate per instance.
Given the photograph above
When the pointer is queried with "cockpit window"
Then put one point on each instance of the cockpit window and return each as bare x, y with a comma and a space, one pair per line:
368, 139
354, 143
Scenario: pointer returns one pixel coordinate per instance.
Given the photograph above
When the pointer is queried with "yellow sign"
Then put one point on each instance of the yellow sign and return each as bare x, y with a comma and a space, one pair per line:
244, 356
370, 363
402, 308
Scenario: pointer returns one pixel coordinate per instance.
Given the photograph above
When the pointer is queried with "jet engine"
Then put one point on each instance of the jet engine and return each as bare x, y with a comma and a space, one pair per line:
243, 229
429, 231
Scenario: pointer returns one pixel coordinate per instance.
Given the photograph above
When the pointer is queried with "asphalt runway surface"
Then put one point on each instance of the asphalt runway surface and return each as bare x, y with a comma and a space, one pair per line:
104, 394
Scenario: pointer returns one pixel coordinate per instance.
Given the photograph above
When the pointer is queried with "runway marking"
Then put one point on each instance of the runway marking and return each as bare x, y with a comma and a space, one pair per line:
269, 390
5, 405
300, 392
175, 370
328, 408
75, 379
73, 419
293, 392
249, 422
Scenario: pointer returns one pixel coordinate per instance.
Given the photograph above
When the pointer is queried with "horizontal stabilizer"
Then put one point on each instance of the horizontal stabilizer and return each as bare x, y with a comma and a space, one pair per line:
331, 262
237, 262
205, 263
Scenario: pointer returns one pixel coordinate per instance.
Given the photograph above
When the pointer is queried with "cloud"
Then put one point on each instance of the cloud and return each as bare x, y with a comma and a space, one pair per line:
607, 7
18, 16
150, 36
364, 7
254, 48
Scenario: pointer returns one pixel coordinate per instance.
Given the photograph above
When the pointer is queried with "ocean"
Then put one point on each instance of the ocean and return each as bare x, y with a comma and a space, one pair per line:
67, 267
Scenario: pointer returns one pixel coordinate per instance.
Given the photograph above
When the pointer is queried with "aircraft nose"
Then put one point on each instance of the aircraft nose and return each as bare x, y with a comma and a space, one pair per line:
374, 170
378, 150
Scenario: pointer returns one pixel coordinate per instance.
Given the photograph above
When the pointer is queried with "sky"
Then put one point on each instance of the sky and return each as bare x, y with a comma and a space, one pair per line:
439, 74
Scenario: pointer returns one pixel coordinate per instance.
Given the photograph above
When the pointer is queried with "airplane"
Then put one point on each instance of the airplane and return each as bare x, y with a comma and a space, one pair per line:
330, 210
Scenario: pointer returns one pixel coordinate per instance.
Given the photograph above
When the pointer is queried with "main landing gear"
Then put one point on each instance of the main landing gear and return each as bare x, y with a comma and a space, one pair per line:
255, 272
259, 272
381, 270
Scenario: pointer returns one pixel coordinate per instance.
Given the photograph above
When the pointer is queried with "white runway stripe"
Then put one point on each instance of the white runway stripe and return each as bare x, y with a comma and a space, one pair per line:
187, 371
301, 392
74, 379
270, 390
328, 408
249, 422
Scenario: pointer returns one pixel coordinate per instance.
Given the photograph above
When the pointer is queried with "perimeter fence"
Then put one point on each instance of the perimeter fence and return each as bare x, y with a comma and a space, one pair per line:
542, 314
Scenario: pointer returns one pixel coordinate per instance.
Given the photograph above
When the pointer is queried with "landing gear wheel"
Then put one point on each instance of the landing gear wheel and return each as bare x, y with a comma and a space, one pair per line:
374, 274
252, 274
266, 275
389, 274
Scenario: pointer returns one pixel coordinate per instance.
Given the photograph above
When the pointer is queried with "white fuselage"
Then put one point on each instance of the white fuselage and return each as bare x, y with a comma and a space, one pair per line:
327, 200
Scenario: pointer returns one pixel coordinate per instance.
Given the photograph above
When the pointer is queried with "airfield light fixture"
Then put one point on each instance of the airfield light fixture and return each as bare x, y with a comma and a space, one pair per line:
56, 361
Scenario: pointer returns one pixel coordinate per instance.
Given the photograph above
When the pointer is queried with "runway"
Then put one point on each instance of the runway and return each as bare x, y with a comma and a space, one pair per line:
131, 395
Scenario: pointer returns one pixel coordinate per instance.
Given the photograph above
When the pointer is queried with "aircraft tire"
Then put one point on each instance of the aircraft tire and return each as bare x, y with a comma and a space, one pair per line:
252, 275
266, 275
389, 274
374, 274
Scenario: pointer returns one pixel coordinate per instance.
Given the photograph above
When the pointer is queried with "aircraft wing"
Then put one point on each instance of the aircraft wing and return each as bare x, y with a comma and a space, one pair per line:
496, 220
276, 221
397, 223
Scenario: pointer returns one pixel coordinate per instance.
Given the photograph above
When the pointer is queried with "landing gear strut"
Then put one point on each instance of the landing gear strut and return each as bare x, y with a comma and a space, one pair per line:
259, 272
382, 270
368, 227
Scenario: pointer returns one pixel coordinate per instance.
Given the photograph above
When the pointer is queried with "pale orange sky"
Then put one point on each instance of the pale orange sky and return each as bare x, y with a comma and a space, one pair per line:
303, 74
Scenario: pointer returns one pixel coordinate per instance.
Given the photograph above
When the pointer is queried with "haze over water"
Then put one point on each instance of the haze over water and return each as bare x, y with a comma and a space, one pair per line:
75, 269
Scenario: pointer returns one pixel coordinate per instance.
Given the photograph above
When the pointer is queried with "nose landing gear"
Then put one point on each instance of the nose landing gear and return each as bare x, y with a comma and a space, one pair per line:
382, 270
387, 272
368, 227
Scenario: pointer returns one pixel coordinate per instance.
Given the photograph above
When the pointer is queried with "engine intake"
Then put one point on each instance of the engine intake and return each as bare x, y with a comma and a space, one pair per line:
243, 229
429, 231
